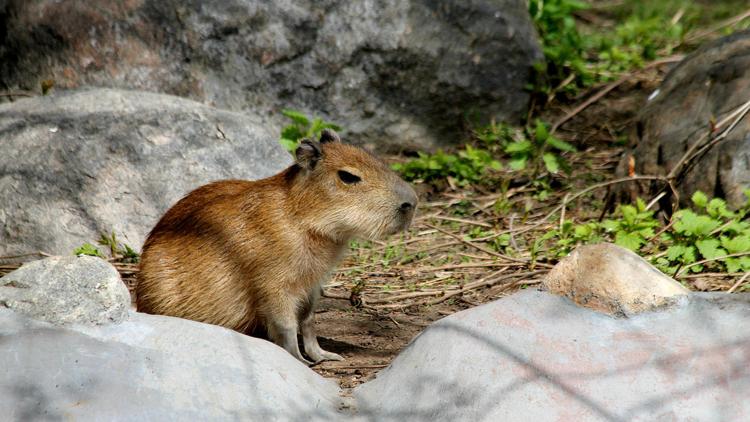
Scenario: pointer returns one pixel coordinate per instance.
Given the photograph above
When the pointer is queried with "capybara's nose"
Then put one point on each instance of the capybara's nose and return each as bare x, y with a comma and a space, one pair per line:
406, 206
407, 197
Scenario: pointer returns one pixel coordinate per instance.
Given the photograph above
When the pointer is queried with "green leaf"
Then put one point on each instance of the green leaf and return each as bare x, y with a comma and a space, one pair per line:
640, 205
288, 144
675, 252
629, 240
699, 199
550, 162
737, 244
88, 249
315, 127
518, 147
560, 144
292, 132
540, 131
710, 248
518, 163
718, 208
610, 225
296, 116
691, 224
629, 214
733, 265
735, 227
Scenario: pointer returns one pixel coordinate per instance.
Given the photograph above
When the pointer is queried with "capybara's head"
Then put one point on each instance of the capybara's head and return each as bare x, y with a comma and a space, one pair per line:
350, 192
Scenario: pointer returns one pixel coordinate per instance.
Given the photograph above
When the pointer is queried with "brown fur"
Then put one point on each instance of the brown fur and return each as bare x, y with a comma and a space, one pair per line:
254, 254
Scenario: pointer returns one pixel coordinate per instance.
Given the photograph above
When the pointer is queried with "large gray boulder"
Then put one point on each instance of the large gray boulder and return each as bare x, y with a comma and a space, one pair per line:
153, 368
79, 164
394, 73
533, 356
706, 86
66, 290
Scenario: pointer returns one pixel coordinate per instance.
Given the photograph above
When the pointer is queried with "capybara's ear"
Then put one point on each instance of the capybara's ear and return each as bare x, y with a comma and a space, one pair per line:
329, 135
308, 154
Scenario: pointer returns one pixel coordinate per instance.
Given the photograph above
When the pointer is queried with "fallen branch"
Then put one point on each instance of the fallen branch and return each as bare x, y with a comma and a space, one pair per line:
738, 283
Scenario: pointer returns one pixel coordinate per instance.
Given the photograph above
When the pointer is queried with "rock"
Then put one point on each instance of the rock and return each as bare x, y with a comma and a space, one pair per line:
153, 368
79, 164
533, 356
66, 290
611, 279
706, 86
394, 74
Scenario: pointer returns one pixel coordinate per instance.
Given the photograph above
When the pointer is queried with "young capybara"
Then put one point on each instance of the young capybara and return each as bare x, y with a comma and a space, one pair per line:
251, 255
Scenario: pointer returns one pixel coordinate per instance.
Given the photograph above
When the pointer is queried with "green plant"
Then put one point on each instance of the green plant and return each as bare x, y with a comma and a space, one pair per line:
712, 233
302, 127
631, 228
117, 249
562, 44
538, 148
89, 250
578, 54
531, 149
710, 236
469, 165
634, 226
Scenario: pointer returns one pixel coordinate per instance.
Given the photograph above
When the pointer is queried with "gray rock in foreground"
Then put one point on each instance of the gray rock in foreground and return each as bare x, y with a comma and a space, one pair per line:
83, 163
395, 74
533, 356
152, 368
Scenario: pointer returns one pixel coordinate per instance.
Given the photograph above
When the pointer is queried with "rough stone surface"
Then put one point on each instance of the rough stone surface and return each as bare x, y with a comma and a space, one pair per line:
65, 290
153, 368
79, 164
533, 356
707, 85
613, 280
394, 73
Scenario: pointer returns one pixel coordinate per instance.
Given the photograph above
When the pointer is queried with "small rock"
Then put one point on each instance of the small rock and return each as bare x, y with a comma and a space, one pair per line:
66, 290
613, 280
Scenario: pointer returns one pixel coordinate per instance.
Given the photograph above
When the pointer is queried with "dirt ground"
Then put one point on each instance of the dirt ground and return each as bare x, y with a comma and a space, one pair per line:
368, 340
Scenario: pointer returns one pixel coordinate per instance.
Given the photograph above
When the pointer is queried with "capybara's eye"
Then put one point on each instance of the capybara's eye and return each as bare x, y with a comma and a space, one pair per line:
349, 178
